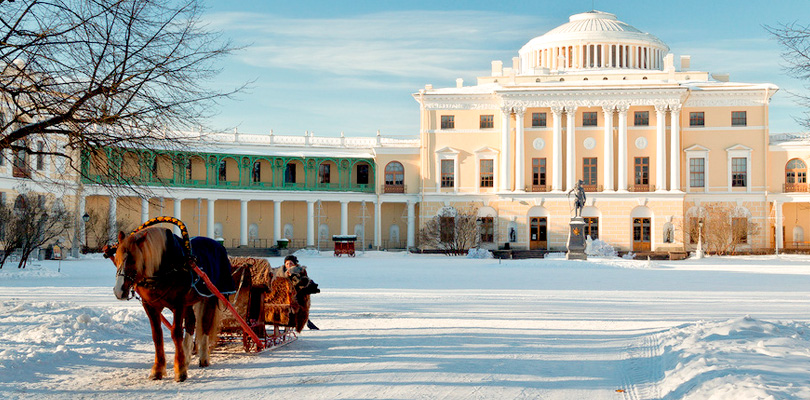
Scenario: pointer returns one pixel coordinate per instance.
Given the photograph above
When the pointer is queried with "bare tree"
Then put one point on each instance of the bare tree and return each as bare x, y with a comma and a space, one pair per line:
725, 229
795, 41
97, 74
31, 224
100, 225
454, 231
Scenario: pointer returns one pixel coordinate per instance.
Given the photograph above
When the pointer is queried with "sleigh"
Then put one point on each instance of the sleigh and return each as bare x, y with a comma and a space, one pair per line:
264, 299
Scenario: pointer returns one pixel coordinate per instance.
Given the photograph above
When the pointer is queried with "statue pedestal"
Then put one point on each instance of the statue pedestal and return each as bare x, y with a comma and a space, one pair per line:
576, 239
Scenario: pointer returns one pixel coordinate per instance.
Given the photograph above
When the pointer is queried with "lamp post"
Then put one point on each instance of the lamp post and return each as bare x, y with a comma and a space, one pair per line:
85, 219
699, 253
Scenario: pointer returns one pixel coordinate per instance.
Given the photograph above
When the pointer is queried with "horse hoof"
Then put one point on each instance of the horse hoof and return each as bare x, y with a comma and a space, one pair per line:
181, 378
204, 364
156, 376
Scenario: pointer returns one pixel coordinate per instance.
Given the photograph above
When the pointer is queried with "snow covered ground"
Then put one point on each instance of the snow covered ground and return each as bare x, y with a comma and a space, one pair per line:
402, 326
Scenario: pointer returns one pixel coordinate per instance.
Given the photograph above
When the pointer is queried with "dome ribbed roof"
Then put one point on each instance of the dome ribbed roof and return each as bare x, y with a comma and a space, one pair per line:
594, 26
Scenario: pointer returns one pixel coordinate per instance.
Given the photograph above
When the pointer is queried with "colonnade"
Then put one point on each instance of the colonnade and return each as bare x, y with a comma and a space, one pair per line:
311, 229
597, 55
506, 183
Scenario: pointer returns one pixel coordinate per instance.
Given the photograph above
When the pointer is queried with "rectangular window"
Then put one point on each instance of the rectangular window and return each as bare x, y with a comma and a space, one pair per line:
539, 171
538, 120
739, 173
362, 174
642, 171
223, 170
696, 119
448, 122
447, 228
739, 118
289, 173
642, 118
487, 121
448, 175
487, 176
324, 173
592, 227
697, 172
487, 229
589, 172
739, 228
40, 157
589, 119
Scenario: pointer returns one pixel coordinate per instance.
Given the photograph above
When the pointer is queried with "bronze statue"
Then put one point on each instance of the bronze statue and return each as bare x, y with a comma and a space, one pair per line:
579, 198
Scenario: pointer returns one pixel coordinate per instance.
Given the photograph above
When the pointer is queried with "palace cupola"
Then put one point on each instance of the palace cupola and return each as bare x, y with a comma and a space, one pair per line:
591, 41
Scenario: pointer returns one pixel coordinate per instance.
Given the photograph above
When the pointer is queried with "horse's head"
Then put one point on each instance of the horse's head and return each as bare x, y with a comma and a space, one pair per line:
136, 258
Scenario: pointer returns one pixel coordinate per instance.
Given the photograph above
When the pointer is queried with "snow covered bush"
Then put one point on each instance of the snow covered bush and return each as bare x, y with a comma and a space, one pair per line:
307, 253
599, 248
479, 253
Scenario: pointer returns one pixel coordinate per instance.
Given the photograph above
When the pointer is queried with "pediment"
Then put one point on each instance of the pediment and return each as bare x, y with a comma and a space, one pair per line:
696, 147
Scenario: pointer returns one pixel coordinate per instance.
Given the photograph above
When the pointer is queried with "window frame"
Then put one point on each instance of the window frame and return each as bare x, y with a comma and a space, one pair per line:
362, 174
486, 121
486, 229
697, 119
739, 172
394, 174
644, 179
590, 118
590, 171
448, 122
447, 178
641, 118
739, 118
591, 227
539, 120
695, 175
486, 178
325, 173
539, 171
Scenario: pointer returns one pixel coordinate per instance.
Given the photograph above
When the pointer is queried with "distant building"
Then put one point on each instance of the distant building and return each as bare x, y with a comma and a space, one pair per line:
594, 99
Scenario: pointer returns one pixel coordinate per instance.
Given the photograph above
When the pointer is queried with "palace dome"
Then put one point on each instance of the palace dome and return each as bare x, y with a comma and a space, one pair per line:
592, 40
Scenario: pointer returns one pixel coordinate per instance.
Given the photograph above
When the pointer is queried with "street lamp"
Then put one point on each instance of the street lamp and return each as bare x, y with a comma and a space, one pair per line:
86, 218
699, 253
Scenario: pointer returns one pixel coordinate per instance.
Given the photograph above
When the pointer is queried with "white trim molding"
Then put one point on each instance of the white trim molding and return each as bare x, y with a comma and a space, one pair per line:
739, 151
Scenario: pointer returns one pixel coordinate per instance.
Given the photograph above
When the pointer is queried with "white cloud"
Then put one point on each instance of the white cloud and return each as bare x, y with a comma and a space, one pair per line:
440, 45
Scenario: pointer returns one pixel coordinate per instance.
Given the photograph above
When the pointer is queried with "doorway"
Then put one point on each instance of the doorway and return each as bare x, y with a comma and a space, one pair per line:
641, 234
538, 233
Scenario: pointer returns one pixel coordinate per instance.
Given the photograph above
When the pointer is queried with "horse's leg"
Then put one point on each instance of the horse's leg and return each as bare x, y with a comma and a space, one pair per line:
188, 340
206, 323
159, 368
180, 364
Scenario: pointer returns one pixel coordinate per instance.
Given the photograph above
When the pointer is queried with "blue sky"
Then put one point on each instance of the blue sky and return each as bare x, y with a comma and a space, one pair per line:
332, 66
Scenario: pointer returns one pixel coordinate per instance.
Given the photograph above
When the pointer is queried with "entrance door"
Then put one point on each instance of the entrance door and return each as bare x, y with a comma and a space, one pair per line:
538, 236
641, 234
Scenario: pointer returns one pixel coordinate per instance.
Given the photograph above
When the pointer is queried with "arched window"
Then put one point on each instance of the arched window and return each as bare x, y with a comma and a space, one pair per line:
796, 176
394, 178
256, 173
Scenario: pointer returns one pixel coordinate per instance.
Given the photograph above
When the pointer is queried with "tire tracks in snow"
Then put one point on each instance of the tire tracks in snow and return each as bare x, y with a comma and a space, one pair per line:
643, 368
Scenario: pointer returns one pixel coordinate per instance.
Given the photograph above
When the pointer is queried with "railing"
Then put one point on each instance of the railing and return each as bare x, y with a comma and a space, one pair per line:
394, 189
537, 188
639, 188
794, 187
201, 183
592, 188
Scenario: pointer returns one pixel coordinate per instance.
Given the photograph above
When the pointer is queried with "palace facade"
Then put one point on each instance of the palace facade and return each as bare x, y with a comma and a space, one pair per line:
653, 141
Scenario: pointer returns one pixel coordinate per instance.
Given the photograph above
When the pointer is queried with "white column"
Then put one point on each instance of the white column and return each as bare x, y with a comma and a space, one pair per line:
310, 223
178, 203
504, 183
277, 220
243, 223
209, 225
622, 178
557, 168
675, 149
344, 217
411, 224
607, 111
377, 224
520, 162
144, 210
113, 232
570, 146
82, 224
660, 148
779, 238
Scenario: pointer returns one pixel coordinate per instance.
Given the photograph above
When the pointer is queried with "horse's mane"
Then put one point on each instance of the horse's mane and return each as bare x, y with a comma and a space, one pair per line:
147, 247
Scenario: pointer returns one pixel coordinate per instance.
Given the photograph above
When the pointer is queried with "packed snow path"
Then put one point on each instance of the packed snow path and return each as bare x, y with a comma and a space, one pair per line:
406, 326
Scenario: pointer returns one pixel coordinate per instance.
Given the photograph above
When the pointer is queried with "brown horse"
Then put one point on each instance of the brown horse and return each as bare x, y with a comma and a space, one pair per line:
153, 264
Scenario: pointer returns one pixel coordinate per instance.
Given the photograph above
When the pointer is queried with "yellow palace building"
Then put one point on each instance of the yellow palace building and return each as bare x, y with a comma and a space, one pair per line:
654, 142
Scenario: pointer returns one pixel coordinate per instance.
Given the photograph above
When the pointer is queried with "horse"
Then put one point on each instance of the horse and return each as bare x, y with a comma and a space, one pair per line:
152, 263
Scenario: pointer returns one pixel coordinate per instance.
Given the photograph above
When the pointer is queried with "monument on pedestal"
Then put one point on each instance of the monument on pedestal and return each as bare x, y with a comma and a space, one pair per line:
576, 232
